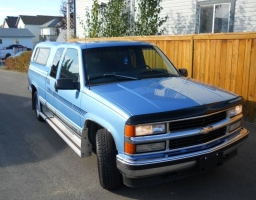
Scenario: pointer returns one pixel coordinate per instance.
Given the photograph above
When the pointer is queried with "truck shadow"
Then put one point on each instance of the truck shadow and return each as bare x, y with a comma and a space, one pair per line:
23, 139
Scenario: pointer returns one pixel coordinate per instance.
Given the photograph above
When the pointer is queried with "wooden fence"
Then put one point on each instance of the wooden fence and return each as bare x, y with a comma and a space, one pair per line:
224, 60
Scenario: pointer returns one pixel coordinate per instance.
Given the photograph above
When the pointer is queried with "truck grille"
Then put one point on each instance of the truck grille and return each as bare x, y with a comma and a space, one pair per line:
197, 122
196, 139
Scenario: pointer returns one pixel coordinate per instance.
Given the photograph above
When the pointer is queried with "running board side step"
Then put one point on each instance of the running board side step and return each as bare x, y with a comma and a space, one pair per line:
81, 146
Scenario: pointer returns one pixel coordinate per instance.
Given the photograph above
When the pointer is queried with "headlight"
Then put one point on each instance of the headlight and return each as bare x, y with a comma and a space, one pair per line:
236, 111
147, 129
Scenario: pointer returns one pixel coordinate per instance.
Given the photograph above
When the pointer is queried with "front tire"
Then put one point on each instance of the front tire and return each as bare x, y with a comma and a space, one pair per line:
109, 175
37, 106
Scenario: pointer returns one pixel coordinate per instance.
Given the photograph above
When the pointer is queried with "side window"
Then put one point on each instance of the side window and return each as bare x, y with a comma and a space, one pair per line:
69, 67
41, 55
55, 62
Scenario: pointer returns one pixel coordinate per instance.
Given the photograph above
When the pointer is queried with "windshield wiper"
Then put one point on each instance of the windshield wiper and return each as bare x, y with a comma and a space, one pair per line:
154, 71
112, 75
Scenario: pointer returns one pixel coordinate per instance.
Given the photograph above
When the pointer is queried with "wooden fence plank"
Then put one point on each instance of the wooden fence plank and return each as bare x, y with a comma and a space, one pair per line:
201, 65
240, 67
223, 59
196, 59
212, 61
228, 64
234, 63
217, 63
207, 62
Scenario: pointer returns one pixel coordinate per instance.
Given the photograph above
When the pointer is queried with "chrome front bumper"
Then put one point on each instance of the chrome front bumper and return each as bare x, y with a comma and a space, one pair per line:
135, 169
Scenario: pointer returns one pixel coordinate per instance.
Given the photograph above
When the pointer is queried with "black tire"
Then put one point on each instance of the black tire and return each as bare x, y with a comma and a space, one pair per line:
37, 106
109, 175
7, 56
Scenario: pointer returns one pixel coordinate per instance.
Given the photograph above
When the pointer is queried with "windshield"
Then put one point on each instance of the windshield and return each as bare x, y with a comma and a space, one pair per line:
124, 63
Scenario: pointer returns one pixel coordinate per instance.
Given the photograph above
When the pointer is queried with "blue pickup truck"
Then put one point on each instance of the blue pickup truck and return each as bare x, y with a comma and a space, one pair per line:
126, 102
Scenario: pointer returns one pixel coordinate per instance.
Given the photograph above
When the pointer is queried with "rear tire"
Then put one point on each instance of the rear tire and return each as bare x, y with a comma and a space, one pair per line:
37, 106
109, 175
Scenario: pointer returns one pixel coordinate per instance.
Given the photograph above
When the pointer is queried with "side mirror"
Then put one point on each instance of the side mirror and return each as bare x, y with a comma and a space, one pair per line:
66, 84
183, 72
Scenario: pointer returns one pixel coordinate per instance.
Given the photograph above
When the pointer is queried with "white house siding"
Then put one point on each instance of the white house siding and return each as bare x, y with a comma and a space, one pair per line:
9, 41
181, 16
245, 16
80, 16
21, 24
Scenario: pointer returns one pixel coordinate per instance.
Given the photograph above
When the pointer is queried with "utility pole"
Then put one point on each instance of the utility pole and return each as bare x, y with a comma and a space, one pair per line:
68, 20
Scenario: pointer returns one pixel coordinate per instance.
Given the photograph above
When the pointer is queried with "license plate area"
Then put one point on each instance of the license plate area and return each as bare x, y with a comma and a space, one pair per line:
209, 162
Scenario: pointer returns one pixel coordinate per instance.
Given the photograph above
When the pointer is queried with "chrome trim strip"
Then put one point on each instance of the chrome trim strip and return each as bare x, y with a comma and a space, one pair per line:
73, 127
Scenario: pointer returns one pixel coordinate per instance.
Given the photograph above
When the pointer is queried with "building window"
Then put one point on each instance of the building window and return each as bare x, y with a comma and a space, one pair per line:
16, 41
1, 42
215, 16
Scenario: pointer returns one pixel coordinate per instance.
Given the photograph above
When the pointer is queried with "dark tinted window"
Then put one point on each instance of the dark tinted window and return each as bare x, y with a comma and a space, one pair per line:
113, 64
70, 68
55, 62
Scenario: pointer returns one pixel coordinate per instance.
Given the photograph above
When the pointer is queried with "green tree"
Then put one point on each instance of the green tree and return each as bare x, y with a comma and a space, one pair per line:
93, 26
115, 19
148, 21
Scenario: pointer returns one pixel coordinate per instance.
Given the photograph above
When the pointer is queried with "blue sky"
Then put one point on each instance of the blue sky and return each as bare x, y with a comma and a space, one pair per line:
28, 7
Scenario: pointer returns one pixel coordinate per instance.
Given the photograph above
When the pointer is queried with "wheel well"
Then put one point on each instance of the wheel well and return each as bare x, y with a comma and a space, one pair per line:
93, 127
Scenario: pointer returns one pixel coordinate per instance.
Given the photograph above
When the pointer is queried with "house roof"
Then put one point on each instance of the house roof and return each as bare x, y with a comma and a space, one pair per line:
11, 21
36, 20
51, 23
15, 32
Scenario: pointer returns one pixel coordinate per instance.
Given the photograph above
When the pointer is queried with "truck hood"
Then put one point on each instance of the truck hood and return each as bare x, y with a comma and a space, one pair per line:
160, 94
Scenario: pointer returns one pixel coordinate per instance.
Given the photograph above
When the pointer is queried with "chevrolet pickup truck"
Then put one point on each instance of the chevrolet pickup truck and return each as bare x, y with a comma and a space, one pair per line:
146, 121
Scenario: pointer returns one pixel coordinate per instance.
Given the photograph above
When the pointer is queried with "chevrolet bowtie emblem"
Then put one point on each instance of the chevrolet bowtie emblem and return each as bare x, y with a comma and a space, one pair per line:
206, 129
